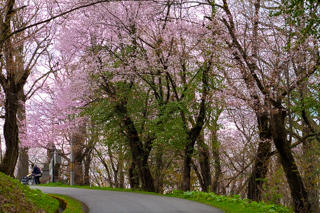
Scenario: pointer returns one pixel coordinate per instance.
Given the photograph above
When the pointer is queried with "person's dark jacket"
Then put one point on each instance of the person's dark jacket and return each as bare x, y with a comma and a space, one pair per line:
36, 170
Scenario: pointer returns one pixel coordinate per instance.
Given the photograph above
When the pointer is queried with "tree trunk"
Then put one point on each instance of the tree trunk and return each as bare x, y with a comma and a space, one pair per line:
78, 173
77, 141
195, 131
133, 176
260, 167
121, 178
0, 151
87, 162
23, 160
196, 170
310, 160
204, 162
45, 170
114, 168
120, 168
158, 171
215, 187
12, 83
147, 182
11, 131
188, 151
78, 168
139, 152
105, 166
298, 192
23, 163
56, 172
259, 171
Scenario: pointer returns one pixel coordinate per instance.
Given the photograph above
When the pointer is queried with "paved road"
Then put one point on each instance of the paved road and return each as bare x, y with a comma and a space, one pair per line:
128, 202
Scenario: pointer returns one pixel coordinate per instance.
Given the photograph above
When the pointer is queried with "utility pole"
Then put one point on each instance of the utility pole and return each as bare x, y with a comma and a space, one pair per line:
53, 164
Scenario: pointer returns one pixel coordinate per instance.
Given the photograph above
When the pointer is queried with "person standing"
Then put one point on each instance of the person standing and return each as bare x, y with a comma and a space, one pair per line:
36, 172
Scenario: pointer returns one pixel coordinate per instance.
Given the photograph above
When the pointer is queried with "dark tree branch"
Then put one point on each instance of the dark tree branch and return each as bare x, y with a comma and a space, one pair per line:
63, 14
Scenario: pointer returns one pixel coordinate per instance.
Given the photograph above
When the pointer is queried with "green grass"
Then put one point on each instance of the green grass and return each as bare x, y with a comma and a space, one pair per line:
99, 188
72, 205
232, 204
16, 197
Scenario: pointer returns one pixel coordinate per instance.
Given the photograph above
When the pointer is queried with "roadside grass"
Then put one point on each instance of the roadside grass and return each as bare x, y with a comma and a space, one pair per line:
16, 197
58, 184
42, 200
233, 204
71, 205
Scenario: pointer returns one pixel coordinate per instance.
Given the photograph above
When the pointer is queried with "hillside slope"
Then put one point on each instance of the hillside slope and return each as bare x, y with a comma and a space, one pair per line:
16, 197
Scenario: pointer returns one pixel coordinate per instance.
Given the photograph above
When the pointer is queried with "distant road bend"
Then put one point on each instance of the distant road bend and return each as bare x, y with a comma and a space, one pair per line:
101, 201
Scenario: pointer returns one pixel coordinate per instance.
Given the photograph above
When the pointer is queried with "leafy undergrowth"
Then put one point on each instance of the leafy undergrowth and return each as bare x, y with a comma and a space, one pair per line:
232, 204
16, 197
72, 205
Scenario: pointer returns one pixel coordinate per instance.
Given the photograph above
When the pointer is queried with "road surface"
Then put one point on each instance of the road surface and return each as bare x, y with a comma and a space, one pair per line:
101, 201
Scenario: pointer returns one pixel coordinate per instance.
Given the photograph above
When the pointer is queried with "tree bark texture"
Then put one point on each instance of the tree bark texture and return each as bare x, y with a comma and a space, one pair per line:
120, 165
78, 168
11, 131
188, 152
260, 167
259, 171
299, 194
121, 176
158, 176
195, 131
0, 150
78, 173
310, 159
87, 163
204, 161
215, 187
139, 151
23, 163
78, 140
12, 84
133, 176
23, 160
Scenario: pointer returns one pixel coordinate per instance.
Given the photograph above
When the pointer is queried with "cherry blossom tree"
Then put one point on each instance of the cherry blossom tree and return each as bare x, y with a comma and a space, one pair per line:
15, 69
167, 95
19, 24
267, 89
